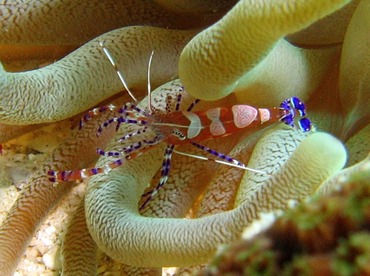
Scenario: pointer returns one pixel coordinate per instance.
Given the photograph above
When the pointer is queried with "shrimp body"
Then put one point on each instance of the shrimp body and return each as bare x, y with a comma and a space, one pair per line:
184, 127
175, 127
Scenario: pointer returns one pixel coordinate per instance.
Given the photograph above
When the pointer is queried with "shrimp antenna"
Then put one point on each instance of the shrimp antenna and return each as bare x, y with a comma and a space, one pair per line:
149, 85
218, 161
119, 73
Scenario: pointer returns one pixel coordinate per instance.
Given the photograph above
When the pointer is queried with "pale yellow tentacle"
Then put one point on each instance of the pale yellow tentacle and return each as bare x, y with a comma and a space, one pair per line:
324, 107
213, 62
273, 79
326, 31
197, 6
359, 146
318, 157
79, 249
68, 22
85, 77
357, 172
222, 190
276, 146
355, 69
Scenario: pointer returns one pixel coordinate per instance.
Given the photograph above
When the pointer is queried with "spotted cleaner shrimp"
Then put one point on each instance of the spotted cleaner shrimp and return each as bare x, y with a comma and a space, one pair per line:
175, 127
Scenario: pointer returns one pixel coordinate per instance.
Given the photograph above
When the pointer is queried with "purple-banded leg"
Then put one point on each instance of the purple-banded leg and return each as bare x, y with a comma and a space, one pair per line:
178, 102
193, 104
132, 134
128, 107
106, 124
119, 121
95, 112
165, 171
219, 155
127, 150
121, 152
126, 111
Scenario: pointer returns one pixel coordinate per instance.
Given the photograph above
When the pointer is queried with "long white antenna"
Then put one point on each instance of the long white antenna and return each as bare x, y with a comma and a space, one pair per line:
149, 85
177, 125
120, 75
219, 161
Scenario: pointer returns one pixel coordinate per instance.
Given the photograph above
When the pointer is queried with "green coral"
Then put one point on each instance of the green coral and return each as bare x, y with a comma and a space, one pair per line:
352, 256
325, 235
